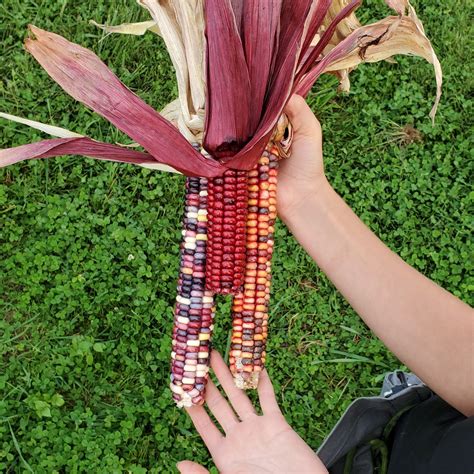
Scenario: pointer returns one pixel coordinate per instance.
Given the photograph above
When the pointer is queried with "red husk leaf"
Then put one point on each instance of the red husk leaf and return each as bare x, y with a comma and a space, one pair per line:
238, 8
293, 24
260, 27
228, 84
86, 78
292, 28
73, 146
325, 38
317, 18
375, 42
306, 83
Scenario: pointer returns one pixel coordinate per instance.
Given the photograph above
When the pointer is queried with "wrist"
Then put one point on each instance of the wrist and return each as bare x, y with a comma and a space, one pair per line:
303, 199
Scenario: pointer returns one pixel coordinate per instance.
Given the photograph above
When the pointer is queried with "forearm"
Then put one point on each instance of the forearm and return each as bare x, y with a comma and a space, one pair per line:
429, 330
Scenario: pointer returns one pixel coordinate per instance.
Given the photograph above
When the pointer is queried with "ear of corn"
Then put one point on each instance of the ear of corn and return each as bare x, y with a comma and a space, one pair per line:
250, 306
194, 311
227, 215
231, 72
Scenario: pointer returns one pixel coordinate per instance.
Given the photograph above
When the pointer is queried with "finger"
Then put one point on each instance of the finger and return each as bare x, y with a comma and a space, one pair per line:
220, 407
302, 119
211, 436
237, 397
266, 394
189, 467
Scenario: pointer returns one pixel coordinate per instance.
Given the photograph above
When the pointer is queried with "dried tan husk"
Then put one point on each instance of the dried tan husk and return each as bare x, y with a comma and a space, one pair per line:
181, 25
343, 30
135, 29
344, 27
52, 130
192, 130
402, 34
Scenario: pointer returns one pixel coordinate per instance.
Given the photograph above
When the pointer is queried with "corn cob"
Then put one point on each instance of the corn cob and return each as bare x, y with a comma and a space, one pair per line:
227, 213
250, 307
194, 311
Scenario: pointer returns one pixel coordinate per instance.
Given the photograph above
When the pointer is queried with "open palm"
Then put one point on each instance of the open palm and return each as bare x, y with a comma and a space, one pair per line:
252, 443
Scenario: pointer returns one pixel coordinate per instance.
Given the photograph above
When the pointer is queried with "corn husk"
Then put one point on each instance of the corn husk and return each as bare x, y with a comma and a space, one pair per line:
343, 29
52, 130
192, 130
135, 29
238, 123
257, 55
86, 78
103, 151
181, 25
401, 34
74, 146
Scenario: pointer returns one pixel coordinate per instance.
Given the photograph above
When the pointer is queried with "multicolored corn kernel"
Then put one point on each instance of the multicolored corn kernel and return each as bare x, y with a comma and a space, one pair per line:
250, 306
194, 311
227, 214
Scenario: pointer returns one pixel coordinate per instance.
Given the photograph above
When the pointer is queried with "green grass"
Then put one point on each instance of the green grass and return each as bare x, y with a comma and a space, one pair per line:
89, 251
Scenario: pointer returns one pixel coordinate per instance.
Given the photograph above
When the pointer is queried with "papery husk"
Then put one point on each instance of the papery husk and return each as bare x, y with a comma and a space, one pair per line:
400, 6
327, 32
385, 39
192, 130
84, 146
344, 27
181, 25
343, 30
402, 34
135, 29
52, 130
87, 146
229, 112
259, 35
227, 137
86, 78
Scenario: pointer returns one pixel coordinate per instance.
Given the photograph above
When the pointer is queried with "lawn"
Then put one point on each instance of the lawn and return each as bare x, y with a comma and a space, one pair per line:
89, 250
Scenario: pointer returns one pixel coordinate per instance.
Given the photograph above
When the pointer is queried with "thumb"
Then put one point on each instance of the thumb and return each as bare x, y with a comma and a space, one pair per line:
189, 467
302, 119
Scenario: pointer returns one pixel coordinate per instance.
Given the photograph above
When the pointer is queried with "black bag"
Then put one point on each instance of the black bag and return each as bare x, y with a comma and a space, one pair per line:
359, 443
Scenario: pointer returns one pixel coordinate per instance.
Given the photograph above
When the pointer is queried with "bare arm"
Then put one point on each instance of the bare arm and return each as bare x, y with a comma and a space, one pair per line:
429, 329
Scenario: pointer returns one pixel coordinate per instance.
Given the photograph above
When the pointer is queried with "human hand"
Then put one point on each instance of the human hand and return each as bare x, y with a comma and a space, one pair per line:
252, 443
302, 174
